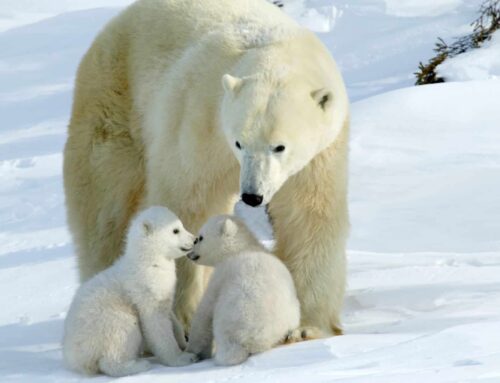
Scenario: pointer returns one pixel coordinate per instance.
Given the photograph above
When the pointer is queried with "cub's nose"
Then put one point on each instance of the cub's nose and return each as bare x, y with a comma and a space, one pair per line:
252, 199
192, 256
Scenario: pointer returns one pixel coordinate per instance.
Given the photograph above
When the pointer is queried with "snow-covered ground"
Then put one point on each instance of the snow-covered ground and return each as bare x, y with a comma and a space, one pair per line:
424, 272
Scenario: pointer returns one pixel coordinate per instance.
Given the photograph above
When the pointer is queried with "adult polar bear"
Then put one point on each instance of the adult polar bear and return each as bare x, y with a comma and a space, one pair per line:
152, 125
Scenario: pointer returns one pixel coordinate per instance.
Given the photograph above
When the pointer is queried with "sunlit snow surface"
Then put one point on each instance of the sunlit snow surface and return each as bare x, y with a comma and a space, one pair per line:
423, 303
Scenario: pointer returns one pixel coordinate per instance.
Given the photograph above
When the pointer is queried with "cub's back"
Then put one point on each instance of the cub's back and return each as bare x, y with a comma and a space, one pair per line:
257, 300
259, 277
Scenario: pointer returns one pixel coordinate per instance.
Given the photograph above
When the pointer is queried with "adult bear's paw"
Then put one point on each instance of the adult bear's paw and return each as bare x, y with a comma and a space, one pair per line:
185, 358
303, 333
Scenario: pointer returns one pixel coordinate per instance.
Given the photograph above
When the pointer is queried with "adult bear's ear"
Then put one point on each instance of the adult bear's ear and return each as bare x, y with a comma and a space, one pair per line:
323, 98
229, 227
231, 84
147, 227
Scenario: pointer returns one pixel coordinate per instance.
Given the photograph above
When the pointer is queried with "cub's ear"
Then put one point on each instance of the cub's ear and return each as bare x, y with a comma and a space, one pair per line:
147, 227
323, 98
229, 227
231, 84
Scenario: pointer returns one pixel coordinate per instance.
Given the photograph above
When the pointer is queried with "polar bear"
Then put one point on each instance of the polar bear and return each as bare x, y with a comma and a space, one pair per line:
129, 305
194, 104
250, 304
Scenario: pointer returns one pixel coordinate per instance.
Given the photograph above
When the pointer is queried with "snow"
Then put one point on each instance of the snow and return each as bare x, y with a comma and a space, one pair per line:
419, 8
476, 64
14, 13
423, 302
438, 148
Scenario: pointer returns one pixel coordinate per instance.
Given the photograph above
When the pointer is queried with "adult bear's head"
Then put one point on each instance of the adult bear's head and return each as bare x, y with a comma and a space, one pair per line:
283, 104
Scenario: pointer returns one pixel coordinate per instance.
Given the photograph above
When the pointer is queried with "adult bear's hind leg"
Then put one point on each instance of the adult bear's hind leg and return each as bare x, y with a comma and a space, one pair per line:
104, 186
103, 161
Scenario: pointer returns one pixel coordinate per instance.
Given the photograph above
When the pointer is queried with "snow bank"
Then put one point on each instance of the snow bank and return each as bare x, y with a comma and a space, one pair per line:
425, 168
476, 64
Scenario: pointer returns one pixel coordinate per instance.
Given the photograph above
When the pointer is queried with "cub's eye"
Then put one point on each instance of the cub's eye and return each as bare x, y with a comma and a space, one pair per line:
176, 231
200, 238
279, 149
238, 145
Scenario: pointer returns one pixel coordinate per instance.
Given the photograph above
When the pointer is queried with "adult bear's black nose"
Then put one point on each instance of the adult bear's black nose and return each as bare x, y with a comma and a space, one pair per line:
252, 199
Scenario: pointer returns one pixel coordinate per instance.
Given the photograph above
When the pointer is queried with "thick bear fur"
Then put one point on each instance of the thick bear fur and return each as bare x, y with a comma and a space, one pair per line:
250, 304
129, 306
162, 96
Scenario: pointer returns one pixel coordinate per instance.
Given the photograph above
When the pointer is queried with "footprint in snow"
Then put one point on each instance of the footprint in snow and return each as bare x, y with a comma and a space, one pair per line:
466, 362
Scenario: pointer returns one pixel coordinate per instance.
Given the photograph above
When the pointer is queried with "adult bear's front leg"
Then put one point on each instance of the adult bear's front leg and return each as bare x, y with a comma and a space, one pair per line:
311, 225
316, 259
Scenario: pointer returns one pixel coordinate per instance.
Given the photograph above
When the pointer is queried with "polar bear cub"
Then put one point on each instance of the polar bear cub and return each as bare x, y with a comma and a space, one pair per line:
250, 304
129, 305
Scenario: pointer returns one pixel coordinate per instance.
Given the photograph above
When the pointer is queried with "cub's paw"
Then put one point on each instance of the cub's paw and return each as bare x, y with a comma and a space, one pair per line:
304, 333
185, 358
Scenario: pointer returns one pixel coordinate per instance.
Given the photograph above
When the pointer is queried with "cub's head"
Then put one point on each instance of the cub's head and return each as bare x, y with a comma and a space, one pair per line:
282, 105
158, 231
221, 237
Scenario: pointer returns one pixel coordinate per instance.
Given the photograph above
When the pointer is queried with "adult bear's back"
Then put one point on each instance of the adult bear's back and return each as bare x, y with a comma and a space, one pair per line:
159, 32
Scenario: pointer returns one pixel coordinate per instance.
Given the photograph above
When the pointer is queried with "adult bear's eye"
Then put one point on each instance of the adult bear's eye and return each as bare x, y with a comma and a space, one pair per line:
200, 238
176, 231
238, 145
279, 149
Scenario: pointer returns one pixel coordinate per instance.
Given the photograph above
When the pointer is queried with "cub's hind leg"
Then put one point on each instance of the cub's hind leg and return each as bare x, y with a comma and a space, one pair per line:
123, 346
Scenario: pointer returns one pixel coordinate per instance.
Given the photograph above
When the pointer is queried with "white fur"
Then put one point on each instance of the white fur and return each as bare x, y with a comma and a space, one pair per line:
155, 120
129, 305
250, 304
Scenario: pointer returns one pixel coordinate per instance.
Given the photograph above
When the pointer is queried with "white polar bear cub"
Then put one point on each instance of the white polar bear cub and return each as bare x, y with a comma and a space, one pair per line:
129, 305
250, 304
